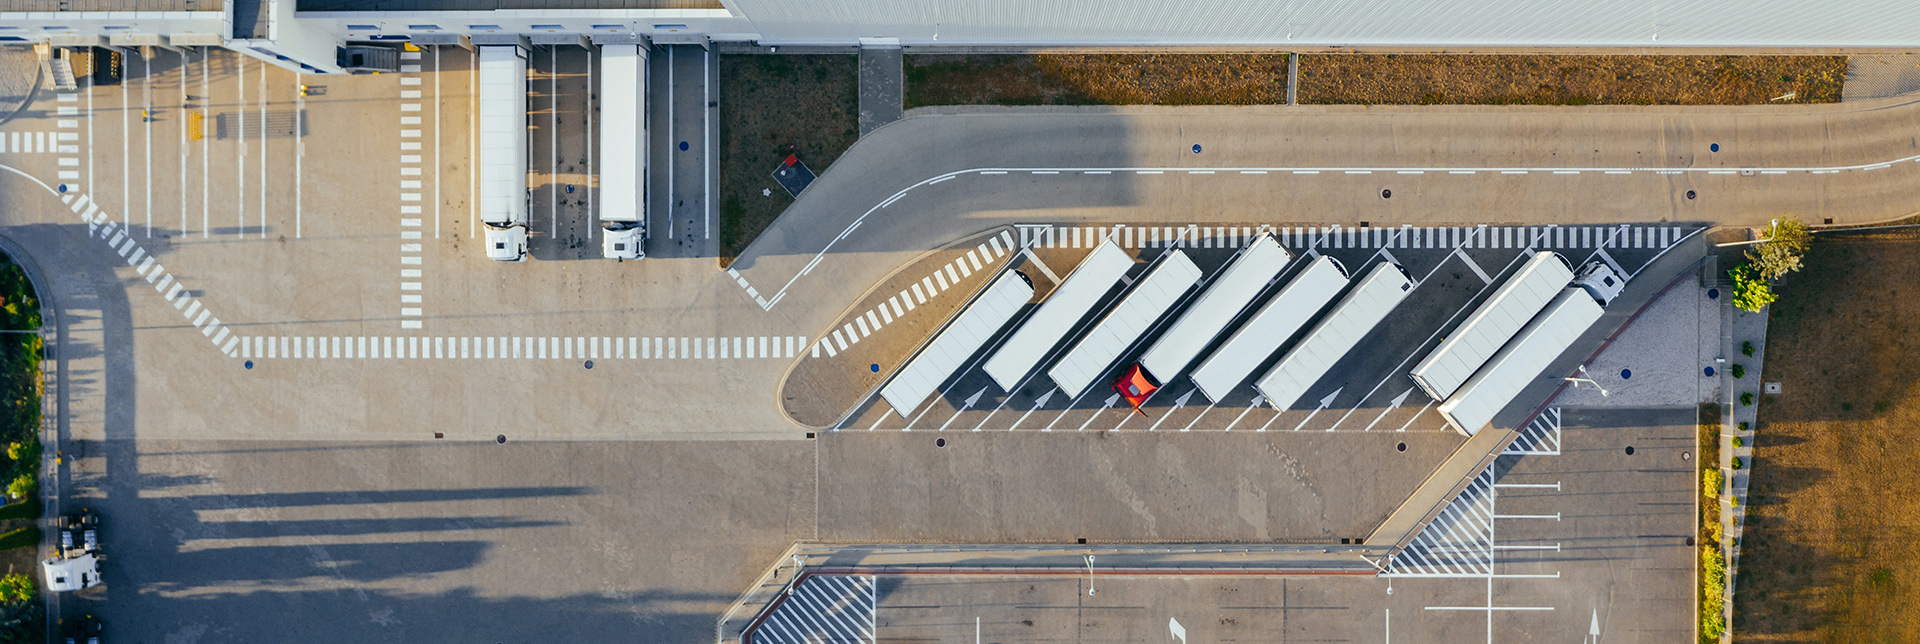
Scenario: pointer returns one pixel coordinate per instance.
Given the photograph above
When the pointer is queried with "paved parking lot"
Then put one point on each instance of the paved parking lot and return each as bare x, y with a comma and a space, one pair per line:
1454, 268
1568, 538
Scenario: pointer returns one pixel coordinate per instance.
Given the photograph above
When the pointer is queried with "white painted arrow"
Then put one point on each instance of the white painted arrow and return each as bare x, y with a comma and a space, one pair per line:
1595, 629
1316, 411
1036, 405
970, 402
1391, 405
1177, 404
1256, 403
1103, 407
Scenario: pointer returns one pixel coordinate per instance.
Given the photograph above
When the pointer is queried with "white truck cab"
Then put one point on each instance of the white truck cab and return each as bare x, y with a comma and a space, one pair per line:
1600, 281
623, 240
72, 573
507, 243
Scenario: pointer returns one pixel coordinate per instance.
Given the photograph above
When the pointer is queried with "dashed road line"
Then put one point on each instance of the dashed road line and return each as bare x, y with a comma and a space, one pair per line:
415, 347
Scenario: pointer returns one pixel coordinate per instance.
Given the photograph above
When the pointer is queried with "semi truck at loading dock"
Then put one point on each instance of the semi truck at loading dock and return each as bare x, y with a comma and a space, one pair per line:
623, 158
1532, 350
503, 151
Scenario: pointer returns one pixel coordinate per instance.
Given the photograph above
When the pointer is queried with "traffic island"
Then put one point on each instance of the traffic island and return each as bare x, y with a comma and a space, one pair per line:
863, 347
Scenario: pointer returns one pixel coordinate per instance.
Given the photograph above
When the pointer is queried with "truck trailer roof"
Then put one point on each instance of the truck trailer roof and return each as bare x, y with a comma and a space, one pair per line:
1519, 362
1365, 305
1069, 302
1270, 327
1492, 324
962, 338
1230, 293
1152, 296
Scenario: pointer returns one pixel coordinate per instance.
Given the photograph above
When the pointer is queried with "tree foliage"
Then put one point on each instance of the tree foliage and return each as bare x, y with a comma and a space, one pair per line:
1787, 241
1750, 291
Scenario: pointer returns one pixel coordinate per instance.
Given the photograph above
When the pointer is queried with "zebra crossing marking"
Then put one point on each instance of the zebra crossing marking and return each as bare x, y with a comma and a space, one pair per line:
949, 275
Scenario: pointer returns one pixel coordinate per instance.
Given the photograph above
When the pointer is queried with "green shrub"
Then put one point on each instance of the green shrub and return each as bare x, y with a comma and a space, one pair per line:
1746, 398
16, 587
1736, 462
1746, 348
1713, 584
1737, 443
1743, 425
1739, 371
1710, 483
27, 537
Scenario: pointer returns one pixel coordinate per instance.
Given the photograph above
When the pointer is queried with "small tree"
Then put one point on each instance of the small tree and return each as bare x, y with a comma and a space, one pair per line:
1750, 291
1787, 240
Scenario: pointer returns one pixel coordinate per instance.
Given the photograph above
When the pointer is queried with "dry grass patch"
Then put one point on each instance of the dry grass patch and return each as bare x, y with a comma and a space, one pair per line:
1833, 522
1096, 79
778, 104
1434, 79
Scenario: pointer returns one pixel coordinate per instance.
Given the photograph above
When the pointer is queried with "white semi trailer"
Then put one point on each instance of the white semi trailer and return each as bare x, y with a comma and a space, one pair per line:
1364, 307
1152, 296
1230, 294
1491, 325
1532, 350
1270, 327
623, 151
503, 151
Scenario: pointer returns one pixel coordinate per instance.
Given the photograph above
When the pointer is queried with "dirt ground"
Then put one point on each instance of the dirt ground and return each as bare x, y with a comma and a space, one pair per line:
1833, 525
1438, 79
1096, 79
1370, 79
808, 105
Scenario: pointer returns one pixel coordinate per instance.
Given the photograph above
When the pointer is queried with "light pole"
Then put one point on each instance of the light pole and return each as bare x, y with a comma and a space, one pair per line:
1089, 575
1587, 379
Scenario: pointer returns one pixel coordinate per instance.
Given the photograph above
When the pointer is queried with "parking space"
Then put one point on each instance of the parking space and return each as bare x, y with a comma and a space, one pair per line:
1453, 270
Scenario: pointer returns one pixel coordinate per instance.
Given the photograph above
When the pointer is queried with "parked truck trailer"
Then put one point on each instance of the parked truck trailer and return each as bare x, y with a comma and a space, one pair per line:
503, 151
1531, 351
623, 151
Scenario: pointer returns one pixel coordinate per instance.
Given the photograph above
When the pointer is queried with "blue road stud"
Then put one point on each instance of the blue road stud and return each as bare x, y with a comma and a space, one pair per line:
875, 367
1713, 294
1626, 373
1715, 147
683, 146
249, 364
589, 364
1196, 148
1709, 372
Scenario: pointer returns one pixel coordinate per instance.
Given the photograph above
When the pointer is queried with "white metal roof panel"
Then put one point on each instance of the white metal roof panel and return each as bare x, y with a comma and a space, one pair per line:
966, 334
623, 105
1522, 360
503, 134
1492, 325
1270, 327
1152, 296
1381, 289
1231, 292
1069, 302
